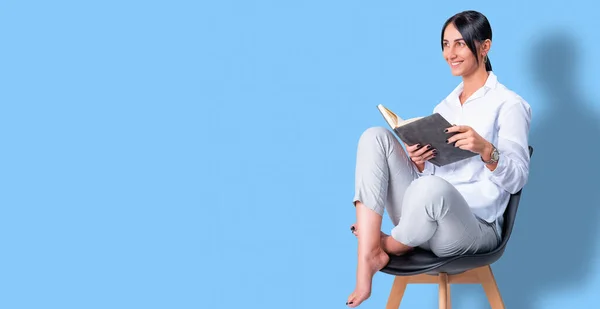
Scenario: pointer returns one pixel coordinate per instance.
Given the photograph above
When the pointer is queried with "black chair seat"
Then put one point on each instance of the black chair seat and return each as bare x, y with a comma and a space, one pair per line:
421, 261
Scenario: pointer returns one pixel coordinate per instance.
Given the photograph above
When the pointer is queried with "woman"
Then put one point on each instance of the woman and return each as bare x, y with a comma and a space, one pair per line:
455, 209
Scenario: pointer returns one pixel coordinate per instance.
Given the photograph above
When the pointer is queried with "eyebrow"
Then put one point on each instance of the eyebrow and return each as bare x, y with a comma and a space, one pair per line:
461, 39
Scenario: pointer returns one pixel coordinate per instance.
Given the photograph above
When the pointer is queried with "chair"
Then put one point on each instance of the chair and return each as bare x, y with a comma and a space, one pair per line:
421, 266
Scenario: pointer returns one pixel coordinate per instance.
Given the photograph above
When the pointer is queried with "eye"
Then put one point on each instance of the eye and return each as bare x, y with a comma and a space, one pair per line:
461, 44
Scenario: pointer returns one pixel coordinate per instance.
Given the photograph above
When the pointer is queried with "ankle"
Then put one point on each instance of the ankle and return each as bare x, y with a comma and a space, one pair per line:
371, 252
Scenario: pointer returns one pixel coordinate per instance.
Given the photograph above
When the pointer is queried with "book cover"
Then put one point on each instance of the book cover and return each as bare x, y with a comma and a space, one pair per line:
428, 130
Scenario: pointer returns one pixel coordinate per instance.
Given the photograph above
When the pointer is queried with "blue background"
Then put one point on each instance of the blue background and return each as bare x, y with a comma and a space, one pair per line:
184, 154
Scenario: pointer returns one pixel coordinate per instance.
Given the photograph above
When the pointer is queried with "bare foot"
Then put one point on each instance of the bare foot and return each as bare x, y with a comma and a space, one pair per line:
368, 264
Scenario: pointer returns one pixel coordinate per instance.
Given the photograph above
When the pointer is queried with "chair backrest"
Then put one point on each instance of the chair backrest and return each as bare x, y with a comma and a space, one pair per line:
511, 213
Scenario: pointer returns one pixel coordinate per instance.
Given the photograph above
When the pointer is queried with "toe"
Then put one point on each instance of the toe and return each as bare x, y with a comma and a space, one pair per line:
350, 300
355, 299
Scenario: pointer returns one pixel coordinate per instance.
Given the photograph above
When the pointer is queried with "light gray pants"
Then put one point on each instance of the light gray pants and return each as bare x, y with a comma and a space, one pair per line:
427, 211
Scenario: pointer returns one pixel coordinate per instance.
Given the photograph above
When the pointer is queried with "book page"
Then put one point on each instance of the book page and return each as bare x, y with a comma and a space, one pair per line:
392, 119
409, 121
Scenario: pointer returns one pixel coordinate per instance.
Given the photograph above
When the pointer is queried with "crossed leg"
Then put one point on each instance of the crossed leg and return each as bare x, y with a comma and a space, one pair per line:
383, 172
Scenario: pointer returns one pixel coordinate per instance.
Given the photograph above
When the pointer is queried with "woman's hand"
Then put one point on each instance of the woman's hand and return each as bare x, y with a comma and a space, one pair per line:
467, 139
420, 154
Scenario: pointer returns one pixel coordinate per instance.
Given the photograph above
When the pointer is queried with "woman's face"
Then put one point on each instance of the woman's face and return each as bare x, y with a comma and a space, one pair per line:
457, 54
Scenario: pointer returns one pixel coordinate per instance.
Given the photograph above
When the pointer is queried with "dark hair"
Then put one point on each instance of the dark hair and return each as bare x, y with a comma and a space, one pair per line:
473, 26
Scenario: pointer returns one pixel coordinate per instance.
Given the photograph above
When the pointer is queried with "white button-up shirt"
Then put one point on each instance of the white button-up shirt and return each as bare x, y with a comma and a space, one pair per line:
503, 118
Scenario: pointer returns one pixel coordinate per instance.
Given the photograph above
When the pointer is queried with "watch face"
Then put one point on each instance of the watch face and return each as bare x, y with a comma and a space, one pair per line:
495, 155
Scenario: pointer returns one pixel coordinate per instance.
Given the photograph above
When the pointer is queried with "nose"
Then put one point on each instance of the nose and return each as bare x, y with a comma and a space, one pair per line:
450, 53
451, 49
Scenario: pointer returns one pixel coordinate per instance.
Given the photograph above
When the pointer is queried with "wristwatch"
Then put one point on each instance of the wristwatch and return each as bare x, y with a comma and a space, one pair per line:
494, 157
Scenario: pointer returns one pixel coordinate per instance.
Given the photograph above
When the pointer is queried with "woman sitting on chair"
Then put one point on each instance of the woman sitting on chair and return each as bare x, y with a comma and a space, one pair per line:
458, 208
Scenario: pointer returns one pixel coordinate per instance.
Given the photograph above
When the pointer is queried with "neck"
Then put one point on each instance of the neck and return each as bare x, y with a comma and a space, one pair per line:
474, 81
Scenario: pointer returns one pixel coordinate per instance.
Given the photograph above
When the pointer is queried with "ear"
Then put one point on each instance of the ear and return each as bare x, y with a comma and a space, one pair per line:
485, 47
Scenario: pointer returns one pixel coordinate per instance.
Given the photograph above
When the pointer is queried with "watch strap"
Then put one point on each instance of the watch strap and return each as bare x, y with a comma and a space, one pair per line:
492, 155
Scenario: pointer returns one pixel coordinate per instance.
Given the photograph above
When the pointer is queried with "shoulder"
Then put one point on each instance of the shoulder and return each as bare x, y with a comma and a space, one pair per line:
507, 99
510, 105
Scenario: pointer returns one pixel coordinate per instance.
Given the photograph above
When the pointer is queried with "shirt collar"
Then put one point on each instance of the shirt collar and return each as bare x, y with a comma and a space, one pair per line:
490, 83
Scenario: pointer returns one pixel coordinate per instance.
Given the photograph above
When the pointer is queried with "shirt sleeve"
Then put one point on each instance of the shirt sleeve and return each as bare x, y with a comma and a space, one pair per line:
512, 170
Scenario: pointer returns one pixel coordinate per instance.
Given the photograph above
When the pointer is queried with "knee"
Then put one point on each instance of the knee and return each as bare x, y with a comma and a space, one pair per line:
375, 134
427, 190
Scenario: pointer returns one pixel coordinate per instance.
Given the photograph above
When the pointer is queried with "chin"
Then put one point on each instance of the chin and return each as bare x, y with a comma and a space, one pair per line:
456, 72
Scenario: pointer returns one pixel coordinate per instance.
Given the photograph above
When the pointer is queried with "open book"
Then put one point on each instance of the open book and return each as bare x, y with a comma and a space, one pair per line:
428, 130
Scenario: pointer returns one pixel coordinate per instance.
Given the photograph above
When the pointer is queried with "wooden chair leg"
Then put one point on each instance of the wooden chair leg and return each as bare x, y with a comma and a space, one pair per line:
482, 275
449, 301
444, 291
397, 292
490, 287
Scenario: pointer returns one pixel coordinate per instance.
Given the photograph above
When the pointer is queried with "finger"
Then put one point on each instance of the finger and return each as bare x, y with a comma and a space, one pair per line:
456, 137
461, 143
456, 128
427, 152
464, 144
416, 159
466, 147
423, 156
423, 150
415, 154
413, 148
430, 155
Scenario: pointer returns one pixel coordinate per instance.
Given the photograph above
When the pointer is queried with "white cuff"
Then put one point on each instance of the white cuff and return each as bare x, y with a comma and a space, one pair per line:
499, 171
